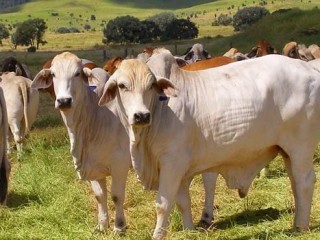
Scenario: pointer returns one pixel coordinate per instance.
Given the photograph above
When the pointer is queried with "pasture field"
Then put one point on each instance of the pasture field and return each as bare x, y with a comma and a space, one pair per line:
65, 13
47, 201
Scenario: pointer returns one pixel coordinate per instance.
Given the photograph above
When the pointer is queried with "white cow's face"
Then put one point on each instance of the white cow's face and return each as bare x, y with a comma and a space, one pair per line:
67, 77
136, 94
136, 88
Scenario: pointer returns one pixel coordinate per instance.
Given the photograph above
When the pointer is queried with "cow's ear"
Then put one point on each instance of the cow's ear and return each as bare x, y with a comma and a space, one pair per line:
163, 86
88, 73
109, 91
18, 70
43, 79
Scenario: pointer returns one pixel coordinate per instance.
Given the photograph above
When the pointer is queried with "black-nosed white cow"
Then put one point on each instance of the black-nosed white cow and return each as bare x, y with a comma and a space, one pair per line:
99, 142
232, 120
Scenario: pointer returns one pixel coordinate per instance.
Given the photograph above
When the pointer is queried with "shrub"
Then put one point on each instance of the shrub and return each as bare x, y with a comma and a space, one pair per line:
222, 20
63, 30
32, 49
248, 16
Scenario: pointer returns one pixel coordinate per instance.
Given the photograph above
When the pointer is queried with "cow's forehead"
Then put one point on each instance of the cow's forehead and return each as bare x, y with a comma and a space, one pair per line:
135, 71
67, 62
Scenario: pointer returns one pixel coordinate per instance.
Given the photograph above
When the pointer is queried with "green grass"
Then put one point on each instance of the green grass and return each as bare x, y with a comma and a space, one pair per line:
47, 201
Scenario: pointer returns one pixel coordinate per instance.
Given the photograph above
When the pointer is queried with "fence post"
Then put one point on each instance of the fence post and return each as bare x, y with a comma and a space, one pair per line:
104, 54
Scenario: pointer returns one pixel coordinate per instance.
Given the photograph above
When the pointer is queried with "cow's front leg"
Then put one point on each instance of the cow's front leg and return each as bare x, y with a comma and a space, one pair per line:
209, 182
118, 184
100, 191
169, 183
184, 204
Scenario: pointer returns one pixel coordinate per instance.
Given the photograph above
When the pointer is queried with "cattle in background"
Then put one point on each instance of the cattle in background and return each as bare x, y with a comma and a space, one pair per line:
146, 53
315, 50
298, 51
262, 48
22, 105
4, 162
208, 63
99, 143
112, 64
235, 54
192, 134
195, 53
11, 64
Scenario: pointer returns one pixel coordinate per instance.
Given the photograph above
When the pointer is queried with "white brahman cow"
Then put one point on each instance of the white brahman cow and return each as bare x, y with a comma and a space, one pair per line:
4, 162
232, 120
99, 142
22, 105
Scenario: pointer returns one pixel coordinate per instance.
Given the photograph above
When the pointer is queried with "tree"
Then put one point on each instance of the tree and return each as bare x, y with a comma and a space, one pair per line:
180, 29
4, 33
162, 19
150, 31
123, 30
248, 16
30, 33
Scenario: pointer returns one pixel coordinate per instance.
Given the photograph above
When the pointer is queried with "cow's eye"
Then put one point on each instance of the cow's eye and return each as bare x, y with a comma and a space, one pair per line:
52, 74
77, 74
121, 86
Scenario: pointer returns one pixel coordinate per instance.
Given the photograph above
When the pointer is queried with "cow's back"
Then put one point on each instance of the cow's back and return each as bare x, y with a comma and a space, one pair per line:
223, 110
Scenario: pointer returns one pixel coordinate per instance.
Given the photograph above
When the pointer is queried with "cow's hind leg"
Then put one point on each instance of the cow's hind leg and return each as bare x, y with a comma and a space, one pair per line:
299, 165
15, 128
100, 191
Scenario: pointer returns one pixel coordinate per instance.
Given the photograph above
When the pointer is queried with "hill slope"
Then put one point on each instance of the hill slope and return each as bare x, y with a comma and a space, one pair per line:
66, 13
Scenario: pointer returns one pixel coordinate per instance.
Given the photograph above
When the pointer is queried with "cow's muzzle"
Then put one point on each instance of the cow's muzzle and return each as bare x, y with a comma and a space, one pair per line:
141, 119
64, 103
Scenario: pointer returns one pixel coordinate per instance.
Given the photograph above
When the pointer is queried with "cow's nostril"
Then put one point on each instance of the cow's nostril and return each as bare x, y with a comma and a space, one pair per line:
64, 102
142, 118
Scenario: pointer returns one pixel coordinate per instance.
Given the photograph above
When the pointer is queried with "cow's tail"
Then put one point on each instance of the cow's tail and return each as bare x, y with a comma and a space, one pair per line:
25, 99
4, 163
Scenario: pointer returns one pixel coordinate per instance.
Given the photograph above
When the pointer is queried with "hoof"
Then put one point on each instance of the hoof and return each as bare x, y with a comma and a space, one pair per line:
203, 224
100, 228
120, 231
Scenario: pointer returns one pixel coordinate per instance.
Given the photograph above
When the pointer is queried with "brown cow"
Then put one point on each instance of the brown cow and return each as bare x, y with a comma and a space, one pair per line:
112, 64
262, 48
208, 63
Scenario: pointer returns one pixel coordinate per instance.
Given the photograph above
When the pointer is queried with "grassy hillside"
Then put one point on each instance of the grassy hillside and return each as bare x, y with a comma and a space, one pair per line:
66, 13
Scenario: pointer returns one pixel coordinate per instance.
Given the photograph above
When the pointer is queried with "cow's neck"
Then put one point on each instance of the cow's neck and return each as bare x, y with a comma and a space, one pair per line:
141, 141
82, 126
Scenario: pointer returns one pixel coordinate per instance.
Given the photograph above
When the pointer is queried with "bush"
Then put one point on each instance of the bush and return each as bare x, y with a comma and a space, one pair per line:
32, 49
63, 30
223, 20
248, 16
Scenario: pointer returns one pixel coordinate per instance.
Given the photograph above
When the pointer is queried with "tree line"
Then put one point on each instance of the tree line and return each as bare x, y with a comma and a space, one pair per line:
164, 26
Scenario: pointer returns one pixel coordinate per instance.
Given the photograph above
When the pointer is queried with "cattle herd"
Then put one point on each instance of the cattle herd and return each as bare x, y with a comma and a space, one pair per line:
173, 117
